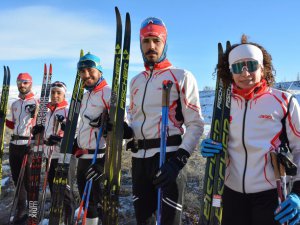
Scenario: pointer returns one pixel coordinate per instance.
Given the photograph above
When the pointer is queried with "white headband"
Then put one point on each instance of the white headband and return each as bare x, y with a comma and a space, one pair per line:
245, 51
62, 89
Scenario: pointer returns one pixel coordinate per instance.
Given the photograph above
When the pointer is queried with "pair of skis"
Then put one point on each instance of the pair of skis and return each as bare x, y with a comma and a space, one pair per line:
211, 210
36, 163
112, 167
62, 171
3, 111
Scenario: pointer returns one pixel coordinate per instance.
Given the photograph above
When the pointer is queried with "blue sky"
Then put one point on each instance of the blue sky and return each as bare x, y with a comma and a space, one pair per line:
34, 32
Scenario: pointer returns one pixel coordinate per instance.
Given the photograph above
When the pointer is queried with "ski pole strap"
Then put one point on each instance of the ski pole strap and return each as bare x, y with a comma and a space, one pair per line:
134, 145
15, 137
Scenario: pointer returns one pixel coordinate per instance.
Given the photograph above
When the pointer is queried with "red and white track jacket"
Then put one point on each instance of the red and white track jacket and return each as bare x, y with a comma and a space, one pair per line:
20, 118
92, 105
146, 107
255, 126
59, 109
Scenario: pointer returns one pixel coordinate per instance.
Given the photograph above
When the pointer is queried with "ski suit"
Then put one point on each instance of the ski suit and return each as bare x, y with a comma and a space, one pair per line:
21, 120
250, 195
144, 117
92, 105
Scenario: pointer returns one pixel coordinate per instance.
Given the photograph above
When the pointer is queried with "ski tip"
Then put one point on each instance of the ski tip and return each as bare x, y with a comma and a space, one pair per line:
81, 53
50, 69
117, 10
45, 68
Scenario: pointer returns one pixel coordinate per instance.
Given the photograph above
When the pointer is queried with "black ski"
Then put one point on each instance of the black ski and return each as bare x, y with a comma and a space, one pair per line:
62, 171
36, 163
112, 168
211, 206
3, 111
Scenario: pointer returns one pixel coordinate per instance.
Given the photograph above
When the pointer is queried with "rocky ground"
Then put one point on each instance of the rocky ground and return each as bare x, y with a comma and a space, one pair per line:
195, 168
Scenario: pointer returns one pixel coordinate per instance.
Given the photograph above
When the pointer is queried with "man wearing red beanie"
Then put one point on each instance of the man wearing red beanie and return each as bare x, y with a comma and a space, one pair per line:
21, 120
145, 121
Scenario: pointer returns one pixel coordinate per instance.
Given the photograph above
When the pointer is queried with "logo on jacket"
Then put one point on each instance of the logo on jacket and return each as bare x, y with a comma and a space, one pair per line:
266, 117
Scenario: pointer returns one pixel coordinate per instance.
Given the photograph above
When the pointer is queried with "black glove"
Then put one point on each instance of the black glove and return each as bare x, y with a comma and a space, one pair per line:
37, 129
54, 140
169, 171
128, 132
30, 109
96, 123
94, 172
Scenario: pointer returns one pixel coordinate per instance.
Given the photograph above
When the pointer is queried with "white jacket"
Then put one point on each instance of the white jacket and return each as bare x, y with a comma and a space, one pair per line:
20, 118
92, 105
145, 109
60, 109
254, 132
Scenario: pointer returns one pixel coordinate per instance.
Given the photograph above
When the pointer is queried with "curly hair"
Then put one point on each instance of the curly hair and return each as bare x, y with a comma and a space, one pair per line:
224, 71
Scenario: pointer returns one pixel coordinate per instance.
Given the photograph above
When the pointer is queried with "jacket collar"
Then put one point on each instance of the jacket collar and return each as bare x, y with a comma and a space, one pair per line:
63, 104
159, 66
29, 95
249, 93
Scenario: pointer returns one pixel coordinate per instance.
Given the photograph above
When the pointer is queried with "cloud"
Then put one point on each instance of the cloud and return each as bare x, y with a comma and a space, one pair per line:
36, 32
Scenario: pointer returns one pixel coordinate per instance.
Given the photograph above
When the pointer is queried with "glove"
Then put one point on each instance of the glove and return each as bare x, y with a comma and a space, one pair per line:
30, 109
96, 123
209, 148
94, 172
169, 171
289, 210
37, 129
54, 140
128, 132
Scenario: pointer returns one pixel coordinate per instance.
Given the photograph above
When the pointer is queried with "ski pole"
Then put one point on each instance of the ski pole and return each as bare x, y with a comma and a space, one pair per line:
88, 186
166, 88
277, 177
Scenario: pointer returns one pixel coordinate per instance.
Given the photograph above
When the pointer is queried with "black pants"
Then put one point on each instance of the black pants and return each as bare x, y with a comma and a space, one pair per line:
16, 156
249, 209
95, 208
145, 194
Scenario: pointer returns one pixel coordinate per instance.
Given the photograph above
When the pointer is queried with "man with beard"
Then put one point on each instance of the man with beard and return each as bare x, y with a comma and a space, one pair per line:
145, 122
21, 120
95, 100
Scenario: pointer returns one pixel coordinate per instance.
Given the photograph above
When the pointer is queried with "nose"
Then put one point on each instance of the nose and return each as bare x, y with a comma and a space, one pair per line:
84, 73
245, 71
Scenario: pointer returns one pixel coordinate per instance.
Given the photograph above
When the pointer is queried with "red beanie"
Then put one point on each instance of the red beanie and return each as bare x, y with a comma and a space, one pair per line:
24, 76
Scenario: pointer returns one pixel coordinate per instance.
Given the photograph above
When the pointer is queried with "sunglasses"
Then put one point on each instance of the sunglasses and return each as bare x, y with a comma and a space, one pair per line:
152, 20
23, 82
250, 66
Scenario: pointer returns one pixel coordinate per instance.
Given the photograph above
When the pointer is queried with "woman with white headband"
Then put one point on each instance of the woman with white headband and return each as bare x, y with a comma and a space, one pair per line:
258, 127
53, 133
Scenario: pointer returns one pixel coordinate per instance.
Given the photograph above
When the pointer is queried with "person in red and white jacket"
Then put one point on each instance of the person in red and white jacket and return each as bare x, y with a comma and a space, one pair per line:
95, 100
144, 117
256, 129
53, 134
21, 120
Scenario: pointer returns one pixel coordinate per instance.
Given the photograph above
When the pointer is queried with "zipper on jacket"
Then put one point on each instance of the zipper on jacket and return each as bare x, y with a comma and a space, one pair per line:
246, 154
151, 72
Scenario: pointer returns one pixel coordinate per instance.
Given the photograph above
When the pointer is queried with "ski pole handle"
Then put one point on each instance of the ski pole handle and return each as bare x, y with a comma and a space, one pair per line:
167, 85
277, 176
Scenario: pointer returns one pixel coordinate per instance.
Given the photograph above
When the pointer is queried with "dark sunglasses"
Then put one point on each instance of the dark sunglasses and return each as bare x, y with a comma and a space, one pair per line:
250, 66
86, 64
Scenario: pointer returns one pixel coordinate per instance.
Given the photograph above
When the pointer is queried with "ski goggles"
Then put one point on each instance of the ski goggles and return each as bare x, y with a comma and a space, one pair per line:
60, 85
152, 20
250, 66
88, 64
19, 82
